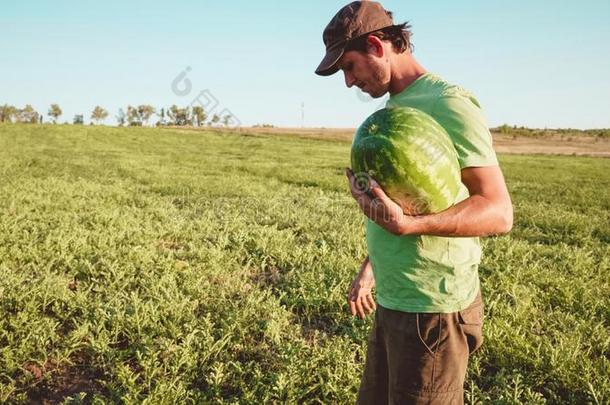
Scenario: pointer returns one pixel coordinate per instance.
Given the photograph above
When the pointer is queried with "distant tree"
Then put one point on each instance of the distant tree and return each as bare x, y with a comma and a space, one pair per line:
19, 115
8, 113
187, 116
172, 114
27, 115
40, 118
180, 116
263, 125
34, 117
145, 111
215, 119
99, 114
78, 119
121, 118
162, 117
226, 120
504, 129
54, 112
198, 115
133, 117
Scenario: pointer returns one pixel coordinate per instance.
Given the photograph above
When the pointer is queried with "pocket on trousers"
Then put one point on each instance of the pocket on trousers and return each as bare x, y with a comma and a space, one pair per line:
471, 323
432, 330
471, 315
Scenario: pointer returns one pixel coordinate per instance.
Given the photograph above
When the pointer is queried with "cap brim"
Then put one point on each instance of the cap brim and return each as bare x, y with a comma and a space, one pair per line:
327, 66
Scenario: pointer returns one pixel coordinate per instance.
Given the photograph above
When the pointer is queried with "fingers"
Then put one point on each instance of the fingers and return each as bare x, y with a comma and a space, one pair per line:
371, 302
353, 184
378, 194
361, 305
358, 183
352, 306
370, 198
366, 305
351, 300
359, 308
350, 179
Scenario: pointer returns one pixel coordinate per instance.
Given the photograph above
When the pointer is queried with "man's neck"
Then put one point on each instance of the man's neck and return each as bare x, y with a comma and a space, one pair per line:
404, 72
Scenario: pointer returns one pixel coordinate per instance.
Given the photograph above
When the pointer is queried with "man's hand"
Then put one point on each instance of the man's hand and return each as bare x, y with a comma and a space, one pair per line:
360, 297
375, 204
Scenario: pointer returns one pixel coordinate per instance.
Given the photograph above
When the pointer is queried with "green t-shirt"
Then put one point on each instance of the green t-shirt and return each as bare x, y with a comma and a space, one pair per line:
431, 273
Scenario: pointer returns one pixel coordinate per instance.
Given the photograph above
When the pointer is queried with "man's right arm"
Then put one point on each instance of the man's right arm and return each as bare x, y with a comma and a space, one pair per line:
360, 297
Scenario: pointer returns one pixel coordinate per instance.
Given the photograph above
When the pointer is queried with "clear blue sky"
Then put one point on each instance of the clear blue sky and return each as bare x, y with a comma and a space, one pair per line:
534, 63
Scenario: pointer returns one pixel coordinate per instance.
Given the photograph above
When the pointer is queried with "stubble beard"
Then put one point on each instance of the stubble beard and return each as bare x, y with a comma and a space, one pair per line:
381, 83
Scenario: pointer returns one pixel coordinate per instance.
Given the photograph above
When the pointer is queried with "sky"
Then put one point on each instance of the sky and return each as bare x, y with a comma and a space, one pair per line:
529, 63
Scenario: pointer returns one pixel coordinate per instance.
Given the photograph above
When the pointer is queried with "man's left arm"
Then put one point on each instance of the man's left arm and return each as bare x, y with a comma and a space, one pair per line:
488, 210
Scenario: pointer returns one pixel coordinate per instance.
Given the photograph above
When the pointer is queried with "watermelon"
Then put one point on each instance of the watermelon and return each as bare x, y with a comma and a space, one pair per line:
411, 157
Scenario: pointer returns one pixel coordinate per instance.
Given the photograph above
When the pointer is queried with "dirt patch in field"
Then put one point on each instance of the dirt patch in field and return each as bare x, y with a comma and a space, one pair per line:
552, 145
547, 144
56, 382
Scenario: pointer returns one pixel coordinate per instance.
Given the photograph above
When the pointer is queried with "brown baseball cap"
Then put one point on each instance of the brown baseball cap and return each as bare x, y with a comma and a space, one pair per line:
352, 21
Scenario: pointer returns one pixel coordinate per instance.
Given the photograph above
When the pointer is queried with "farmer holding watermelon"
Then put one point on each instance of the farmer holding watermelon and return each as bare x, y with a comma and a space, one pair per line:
430, 144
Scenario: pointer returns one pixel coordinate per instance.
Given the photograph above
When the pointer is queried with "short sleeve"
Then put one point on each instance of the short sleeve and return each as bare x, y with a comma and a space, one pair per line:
461, 116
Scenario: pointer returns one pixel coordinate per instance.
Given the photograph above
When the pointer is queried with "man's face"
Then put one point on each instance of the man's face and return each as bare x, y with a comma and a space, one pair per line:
366, 71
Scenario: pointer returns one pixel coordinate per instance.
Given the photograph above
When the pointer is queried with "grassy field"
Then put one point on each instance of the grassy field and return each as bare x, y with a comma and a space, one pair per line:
522, 141
165, 266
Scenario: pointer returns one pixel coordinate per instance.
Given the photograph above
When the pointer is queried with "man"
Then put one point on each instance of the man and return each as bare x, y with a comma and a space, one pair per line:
425, 268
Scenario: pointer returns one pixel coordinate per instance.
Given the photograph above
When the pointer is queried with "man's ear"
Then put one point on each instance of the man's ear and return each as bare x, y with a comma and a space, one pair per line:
374, 45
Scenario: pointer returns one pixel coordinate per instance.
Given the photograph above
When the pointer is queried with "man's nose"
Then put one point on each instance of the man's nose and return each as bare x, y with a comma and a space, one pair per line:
349, 79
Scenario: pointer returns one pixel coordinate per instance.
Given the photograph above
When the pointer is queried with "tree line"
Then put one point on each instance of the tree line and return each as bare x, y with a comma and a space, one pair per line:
515, 131
140, 115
